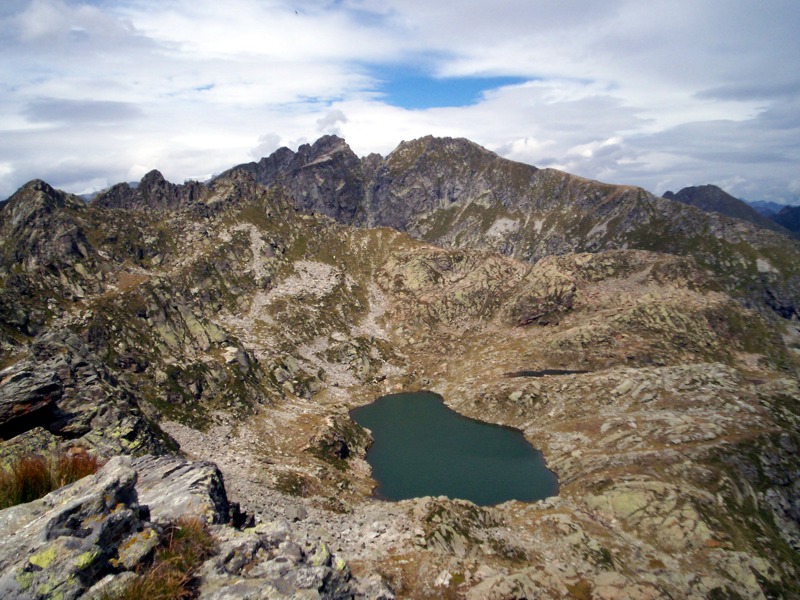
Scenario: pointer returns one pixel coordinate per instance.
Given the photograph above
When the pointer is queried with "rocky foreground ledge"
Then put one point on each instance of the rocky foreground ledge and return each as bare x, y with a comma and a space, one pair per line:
88, 538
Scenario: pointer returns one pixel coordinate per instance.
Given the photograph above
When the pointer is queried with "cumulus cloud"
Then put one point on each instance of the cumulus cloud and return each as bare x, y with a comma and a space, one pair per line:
267, 144
329, 124
659, 94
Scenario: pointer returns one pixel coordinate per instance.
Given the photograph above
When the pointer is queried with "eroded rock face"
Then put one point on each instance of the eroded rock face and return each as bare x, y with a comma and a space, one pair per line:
68, 391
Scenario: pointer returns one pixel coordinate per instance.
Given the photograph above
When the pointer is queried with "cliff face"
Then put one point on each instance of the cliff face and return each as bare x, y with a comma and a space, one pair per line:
325, 177
238, 322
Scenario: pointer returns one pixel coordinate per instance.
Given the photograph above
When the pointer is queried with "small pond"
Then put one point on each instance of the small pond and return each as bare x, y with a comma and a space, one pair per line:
422, 448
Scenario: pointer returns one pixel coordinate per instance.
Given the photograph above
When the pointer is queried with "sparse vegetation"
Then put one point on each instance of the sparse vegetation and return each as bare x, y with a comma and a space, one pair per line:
31, 477
292, 484
187, 543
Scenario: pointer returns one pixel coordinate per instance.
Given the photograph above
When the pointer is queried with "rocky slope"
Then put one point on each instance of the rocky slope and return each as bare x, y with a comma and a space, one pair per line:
225, 319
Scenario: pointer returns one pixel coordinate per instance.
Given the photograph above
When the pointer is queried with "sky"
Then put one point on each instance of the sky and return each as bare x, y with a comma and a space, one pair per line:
661, 94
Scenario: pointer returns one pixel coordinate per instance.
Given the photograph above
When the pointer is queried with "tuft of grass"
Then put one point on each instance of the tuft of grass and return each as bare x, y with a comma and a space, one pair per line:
32, 476
186, 545
67, 468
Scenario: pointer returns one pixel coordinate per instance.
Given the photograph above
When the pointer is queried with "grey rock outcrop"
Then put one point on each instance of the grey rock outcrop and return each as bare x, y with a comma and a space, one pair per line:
60, 545
101, 531
265, 562
153, 192
170, 487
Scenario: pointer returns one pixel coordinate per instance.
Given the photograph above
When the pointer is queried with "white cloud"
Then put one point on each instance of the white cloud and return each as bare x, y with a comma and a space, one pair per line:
329, 124
654, 94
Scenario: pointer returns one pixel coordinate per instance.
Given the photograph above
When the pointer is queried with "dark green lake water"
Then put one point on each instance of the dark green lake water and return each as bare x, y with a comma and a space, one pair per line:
422, 448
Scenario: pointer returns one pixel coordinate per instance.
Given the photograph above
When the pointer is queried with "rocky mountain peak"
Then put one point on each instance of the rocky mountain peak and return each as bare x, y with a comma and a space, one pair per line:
431, 142
324, 145
31, 202
153, 179
440, 148
153, 192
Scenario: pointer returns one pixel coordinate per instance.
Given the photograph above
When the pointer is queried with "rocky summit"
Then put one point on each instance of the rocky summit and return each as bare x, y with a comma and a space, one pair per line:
206, 342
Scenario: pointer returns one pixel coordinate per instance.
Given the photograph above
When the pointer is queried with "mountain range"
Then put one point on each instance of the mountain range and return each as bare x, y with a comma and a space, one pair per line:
238, 321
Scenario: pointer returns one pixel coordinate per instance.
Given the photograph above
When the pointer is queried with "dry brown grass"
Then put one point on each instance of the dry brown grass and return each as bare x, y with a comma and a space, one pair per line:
33, 476
128, 281
171, 576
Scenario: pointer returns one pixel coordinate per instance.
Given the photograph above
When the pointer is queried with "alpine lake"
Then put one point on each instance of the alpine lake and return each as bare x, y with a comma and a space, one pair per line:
422, 448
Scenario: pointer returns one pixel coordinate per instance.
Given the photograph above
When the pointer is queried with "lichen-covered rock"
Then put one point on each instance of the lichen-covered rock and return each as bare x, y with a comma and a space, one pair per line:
257, 563
56, 547
170, 487
98, 533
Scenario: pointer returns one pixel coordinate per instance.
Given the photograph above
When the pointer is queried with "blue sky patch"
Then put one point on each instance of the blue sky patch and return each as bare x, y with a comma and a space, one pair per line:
415, 90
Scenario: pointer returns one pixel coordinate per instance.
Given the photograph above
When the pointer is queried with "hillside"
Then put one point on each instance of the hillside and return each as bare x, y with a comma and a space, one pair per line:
238, 322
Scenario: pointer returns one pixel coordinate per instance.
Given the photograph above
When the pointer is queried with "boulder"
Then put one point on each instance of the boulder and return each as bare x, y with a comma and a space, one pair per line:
171, 487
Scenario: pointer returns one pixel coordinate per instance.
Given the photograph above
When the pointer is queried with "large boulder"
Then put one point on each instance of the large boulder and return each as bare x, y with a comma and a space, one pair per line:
171, 487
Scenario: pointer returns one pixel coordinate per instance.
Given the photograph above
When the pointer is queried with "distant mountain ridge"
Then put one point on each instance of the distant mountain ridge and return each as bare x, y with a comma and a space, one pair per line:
789, 217
714, 199
454, 193
770, 215
766, 207
225, 321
